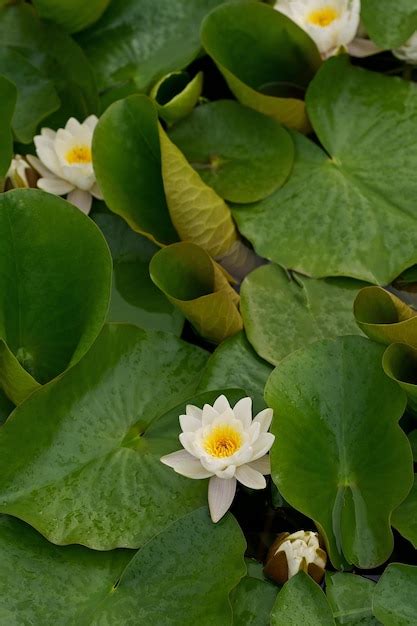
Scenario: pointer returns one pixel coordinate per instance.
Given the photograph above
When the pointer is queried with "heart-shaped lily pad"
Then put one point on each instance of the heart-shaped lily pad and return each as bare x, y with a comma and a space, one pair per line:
301, 601
7, 105
389, 23
243, 155
74, 15
282, 314
339, 455
395, 596
347, 210
404, 519
175, 95
260, 51
179, 577
56, 272
88, 468
350, 598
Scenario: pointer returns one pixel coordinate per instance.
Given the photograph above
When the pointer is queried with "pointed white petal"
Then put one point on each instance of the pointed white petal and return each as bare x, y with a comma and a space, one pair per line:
194, 411
221, 404
264, 418
48, 156
262, 445
73, 126
187, 441
243, 411
185, 464
54, 185
262, 465
189, 423
362, 48
228, 472
48, 133
220, 496
96, 192
39, 166
254, 431
250, 477
81, 199
209, 414
90, 122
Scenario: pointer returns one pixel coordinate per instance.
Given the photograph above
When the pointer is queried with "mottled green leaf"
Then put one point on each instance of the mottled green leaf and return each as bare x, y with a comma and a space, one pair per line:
192, 281
350, 598
339, 455
404, 519
260, 52
282, 314
389, 23
72, 15
180, 577
395, 596
301, 601
127, 162
8, 96
252, 601
349, 209
176, 95
243, 155
88, 468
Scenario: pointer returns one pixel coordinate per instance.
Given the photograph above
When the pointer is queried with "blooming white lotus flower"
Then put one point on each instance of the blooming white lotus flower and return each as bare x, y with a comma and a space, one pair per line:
408, 51
65, 162
331, 24
225, 445
17, 172
290, 554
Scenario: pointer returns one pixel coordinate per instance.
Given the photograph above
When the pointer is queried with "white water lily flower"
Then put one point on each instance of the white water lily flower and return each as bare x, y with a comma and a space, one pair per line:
17, 172
65, 163
225, 445
331, 24
408, 51
290, 554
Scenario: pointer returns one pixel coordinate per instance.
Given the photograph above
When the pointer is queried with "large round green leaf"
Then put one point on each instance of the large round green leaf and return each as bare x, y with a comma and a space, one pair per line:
73, 15
395, 596
261, 52
350, 598
181, 577
404, 519
389, 23
135, 298
127, 163
7, 105
301, 601
241, 153
339, 455
55, 273
348, 209
88, 468
143, 40
252, 601
282, 314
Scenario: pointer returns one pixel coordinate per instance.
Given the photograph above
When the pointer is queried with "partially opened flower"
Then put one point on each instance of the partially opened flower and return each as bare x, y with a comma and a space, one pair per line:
331, 24
65, 162
18, 171
408, 51
290, 554
225, 445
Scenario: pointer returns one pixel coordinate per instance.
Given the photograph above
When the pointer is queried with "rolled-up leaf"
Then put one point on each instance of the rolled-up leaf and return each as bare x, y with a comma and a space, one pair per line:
175, 95
199, 288
400, 364
384, 317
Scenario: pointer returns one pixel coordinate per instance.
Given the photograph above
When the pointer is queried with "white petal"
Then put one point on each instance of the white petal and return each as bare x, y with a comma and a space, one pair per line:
250, 477
48, 133
189, 424
194, 411
81, 176
228, 472
362, 48
187, 442
262, 445
262, 465
209, 414
243, 411
47, 155
265, 419
96, 192
54, 185
185, 464
81, 199
254, 431
73, 126
39, 166
221, 404
220, 496
91, 122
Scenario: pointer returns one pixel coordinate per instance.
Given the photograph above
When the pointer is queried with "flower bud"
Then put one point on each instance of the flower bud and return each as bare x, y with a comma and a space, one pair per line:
289, 554
20, 174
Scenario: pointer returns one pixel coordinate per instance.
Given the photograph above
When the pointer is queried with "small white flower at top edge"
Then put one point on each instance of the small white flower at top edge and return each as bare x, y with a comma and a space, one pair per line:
331, 24
226, 446
64, 162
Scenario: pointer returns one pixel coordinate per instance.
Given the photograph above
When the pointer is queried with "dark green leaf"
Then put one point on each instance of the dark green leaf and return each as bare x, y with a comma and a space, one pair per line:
252, 601
404, 519
73, 15
389, 23
395, 596
301, 601
8, 96
350, 598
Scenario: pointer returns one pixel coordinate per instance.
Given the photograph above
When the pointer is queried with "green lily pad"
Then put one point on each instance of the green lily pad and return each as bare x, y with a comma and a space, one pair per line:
384, 317
404, 519
143, 40
399, 362
192, 281
74, 15
257, 48
243, 155
389, 23
88, 468
175, 95
6, 407
281, 314
56, 271
127, 163
395, 597
8, 96
135, 299
252, 601
339, 455
179, 577
301, 601
234, 364
350, 598
315, 224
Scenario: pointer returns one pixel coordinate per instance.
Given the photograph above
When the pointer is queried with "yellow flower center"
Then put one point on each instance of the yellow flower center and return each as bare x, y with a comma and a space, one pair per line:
223, 441
79, 155
323, 17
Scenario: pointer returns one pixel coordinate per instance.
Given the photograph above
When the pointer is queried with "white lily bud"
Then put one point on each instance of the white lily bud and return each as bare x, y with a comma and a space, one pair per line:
18, 171
290, 554
408, 51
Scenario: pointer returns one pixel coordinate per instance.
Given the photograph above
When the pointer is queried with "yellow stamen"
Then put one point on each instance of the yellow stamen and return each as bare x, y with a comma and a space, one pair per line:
79, 155
223, 441
323, 17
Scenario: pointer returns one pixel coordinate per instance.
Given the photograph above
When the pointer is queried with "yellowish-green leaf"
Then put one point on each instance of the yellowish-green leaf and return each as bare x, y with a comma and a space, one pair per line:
175, 95
400, 364
194, 283
198, 214
16, 382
